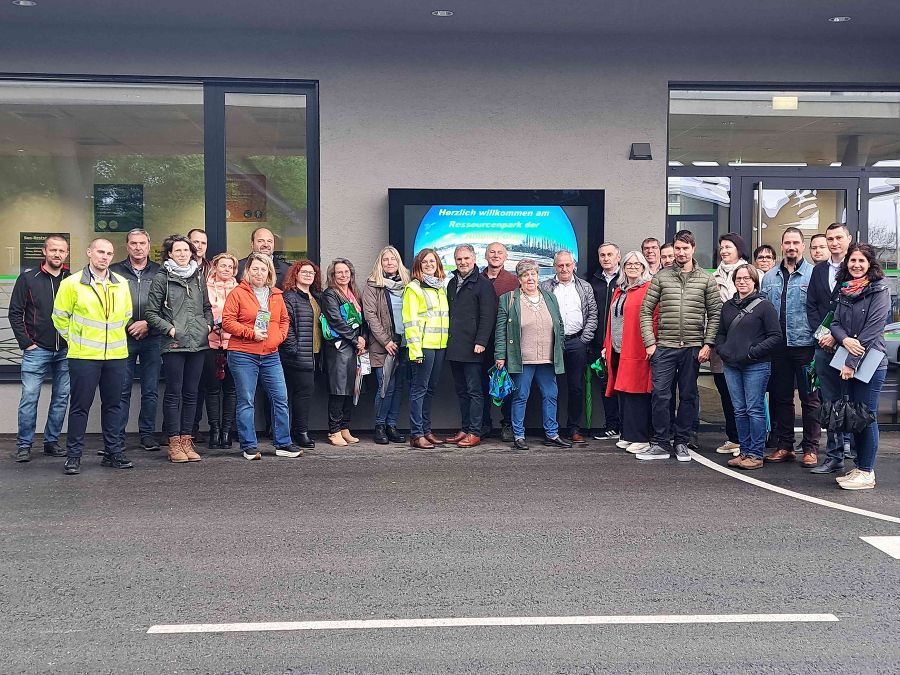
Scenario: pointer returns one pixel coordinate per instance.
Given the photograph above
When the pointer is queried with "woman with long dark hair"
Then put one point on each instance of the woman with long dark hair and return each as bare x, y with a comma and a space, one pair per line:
343, 311
178, 308
302, 298
862, 310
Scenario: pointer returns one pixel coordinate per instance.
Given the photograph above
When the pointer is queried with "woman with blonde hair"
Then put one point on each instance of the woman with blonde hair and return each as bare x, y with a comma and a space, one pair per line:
382, 302
344, 313
218, 383
426, 321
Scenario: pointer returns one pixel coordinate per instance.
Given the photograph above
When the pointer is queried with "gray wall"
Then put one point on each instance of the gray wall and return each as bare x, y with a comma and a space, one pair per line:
478, 111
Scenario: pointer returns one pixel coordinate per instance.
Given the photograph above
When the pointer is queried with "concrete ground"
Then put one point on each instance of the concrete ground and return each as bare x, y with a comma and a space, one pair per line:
91, 562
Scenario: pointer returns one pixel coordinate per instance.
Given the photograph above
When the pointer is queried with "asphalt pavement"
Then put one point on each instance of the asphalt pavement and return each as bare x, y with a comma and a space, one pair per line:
91, 562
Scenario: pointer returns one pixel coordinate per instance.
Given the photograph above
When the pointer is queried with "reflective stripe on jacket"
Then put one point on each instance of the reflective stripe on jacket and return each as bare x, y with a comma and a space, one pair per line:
426, 318
92, 316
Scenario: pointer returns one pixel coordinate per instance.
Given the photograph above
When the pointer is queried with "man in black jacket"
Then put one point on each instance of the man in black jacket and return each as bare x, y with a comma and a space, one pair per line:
43, 350
820, 299
604, 284
263, 241
144, 353
473, 314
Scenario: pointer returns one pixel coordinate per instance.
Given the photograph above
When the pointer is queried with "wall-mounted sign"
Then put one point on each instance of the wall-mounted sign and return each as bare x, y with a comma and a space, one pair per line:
118, 207
245, 198
30, 245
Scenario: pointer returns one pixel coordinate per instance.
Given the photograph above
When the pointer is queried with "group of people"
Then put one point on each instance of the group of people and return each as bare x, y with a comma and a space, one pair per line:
230, 331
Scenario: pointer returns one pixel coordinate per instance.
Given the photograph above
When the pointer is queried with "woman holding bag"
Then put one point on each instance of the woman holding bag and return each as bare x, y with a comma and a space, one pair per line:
862, 310
343, 312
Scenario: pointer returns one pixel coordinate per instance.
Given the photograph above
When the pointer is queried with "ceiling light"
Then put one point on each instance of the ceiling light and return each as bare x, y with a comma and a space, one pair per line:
784, 103
705, 163
766, 163
836, 164
24, 3
675, 162
840, 19
442, 12
887, 162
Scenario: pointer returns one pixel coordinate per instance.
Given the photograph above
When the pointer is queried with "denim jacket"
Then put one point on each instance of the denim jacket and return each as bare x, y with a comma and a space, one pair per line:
799, 334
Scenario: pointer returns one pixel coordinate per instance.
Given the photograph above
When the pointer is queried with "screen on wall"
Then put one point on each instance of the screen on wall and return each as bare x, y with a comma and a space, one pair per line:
531, 224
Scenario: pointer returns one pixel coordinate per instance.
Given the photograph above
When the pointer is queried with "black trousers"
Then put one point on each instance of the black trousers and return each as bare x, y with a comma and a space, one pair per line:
787, 375
183, 371
300, 385
470, 394
727, 407
340, 409
575, 356
85, 377
220, 395
635, 417
667, 365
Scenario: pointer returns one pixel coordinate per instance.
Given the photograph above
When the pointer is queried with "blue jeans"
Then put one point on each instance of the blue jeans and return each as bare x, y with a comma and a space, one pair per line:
144, 360
866, 443
747, 386
545, 376
423, 379
831, 389
247, 370
35, 365
387, 409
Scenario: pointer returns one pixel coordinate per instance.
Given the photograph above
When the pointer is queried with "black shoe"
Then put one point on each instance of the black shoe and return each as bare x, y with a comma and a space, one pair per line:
118, 461
53, 450
381, 435
557, 442
486, 432
303, 440
830, 465
225, 441
101, 452
506, 434
149, 442
72, 466
394, 436
520, 444
215, 441
849, 454
24, 454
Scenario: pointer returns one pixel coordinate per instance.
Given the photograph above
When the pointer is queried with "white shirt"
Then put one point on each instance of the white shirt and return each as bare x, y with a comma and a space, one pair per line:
569, 306
609, 275
833, 269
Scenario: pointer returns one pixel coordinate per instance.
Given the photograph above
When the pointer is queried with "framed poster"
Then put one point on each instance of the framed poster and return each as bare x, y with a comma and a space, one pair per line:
118, 207
245, 198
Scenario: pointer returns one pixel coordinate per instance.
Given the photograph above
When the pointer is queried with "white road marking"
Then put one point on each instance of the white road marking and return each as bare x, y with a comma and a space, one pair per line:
491, 621
890, 545
790, 493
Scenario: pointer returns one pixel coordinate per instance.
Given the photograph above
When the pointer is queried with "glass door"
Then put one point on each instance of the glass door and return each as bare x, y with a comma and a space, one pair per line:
771, 205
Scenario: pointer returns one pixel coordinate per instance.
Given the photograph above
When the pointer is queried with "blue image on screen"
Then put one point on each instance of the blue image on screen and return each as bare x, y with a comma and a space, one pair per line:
535, 232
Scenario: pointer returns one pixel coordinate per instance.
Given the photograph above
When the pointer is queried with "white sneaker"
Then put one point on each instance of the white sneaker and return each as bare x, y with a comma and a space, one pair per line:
623, 444
252, 455
847, 476
862, 480
289, 451
635, 448
729, 448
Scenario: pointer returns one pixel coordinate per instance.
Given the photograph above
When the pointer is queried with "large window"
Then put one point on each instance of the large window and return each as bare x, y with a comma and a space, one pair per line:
100, 158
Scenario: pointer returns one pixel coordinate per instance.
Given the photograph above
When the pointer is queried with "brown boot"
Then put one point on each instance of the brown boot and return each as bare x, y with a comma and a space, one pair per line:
337, 439
176, 451
187, 444
348, 437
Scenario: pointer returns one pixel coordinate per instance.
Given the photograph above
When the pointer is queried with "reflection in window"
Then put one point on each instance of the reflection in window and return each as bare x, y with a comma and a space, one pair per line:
811, 211
701, 205
884, 219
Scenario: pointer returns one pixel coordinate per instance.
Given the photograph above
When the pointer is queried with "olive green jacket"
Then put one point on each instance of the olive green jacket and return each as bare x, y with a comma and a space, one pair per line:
508, 340
182, 304
689, 308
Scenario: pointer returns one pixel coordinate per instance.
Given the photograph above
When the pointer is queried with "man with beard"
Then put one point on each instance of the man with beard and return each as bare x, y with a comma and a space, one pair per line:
43, 350
263, 241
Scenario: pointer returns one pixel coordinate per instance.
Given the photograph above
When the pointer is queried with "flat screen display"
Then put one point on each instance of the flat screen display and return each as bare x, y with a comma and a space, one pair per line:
531, 224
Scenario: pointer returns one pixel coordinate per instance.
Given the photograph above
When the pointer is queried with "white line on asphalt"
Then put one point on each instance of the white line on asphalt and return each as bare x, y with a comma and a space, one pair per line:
491, 621
890, 545
790, 493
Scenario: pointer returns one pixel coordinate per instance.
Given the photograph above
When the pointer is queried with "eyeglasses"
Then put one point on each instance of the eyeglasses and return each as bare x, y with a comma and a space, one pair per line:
765, 257
633, 264
307, 272
738, 280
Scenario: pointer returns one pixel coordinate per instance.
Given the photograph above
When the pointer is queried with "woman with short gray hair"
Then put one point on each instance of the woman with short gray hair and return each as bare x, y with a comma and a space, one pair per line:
529, 343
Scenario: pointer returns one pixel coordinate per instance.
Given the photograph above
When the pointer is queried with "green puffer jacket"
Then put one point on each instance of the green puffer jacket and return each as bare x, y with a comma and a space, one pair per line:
182, 304
689, 308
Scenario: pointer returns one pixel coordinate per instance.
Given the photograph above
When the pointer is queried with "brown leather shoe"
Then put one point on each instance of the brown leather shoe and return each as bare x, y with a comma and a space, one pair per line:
781, 455
736, 461
420, 442
470, 441
809, 459
749, 463
431, 438
176, 451
455, 438
187, 445
577, 438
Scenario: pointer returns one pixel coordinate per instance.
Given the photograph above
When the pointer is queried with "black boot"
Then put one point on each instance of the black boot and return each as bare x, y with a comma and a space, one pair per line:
302, 439
380, 435
225, 439
395, 436
215, 437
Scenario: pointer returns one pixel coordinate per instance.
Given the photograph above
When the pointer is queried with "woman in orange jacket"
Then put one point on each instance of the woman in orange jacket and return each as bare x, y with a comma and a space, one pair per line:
256, 317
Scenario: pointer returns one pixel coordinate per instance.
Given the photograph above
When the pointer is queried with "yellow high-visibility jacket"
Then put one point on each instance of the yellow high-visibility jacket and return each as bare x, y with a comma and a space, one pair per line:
426, 318
92, 316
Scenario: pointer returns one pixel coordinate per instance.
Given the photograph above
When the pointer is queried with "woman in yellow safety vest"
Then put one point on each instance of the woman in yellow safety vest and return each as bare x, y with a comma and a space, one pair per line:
426, 321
